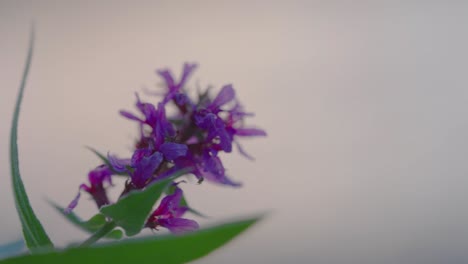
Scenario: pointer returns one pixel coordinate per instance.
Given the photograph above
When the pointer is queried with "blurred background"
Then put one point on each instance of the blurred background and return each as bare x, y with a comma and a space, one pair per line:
365, 104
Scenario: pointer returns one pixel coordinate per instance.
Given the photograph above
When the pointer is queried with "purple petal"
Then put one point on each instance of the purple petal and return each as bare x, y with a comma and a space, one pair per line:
168, 173
214, 171
250, 132
145, 169
225, 139
130, 116
72, 204
204, 120
239, 112
215, 127
187, 71
179, 225
220, 179
167, 76
138, 155
172, 150
170, 82
163, 127
169, 203
214, 165
181, 99
118, 165
226, 95
150, 114
99, 175
178, 212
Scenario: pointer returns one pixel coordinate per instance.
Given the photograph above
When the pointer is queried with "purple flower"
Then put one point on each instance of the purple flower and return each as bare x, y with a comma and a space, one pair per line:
215, 127
148, 110
169, 214
205, 164
187, 142
173, 87
212, 169
222, 131
226, 95
163, 128
145, 165
156, 119
235, 127
96, 189
172, 150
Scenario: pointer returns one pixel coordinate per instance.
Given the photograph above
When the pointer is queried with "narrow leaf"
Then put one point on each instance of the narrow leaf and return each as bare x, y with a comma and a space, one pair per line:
131, 211
90, 226
34, 234
106, 161
165, 249
100, 156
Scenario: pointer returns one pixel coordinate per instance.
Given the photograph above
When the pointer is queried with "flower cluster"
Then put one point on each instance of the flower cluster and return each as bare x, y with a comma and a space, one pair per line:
188, 141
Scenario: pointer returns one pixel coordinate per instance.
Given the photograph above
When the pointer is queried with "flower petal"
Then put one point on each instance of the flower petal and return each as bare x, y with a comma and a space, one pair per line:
167, 76
226, 95
130, 116
163, 128
187, 71
179, 225
145, 168
72, 204
250, 132
99, 175
169, 204
118, 165
213, 170
172, 150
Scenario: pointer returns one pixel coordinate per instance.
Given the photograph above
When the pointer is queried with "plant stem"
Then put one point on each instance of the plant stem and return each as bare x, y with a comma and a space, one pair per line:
105, 229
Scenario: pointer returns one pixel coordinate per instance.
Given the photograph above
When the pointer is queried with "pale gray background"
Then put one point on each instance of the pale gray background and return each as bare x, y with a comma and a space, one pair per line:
365, 104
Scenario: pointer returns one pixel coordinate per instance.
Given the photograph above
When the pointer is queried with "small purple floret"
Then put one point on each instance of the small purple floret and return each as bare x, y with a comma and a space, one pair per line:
96, 189
169, 215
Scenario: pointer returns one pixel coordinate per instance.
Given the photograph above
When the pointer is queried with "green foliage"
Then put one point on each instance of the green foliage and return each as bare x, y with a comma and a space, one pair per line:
165, 249
131, 211
92, 225
34, 234
105, 161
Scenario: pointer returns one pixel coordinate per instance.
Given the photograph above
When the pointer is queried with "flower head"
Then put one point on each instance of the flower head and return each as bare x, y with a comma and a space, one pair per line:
188, 140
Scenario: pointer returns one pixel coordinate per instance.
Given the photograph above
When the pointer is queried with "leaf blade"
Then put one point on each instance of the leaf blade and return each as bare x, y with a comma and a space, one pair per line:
89, 226
34, 234
131, 211
163, 249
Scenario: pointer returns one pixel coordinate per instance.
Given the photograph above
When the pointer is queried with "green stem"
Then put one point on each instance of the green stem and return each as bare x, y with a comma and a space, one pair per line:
105, 229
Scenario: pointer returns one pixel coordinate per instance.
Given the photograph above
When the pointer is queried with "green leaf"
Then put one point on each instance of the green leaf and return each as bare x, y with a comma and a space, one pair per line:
106, 161
90, 226
165, 249
100, 156
34, 234
131, 211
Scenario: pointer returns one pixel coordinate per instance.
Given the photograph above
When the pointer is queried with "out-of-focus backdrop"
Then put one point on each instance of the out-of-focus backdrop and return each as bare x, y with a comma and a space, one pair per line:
365, 103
